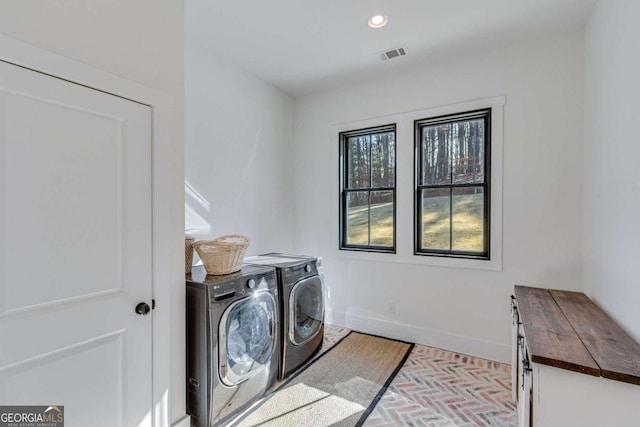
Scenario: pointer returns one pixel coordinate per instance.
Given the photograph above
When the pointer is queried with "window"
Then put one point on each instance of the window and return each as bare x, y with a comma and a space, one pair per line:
367, 187
452, 185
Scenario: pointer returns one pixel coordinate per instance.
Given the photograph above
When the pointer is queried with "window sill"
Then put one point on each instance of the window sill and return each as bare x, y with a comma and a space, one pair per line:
452, 255
494, 264
390, 251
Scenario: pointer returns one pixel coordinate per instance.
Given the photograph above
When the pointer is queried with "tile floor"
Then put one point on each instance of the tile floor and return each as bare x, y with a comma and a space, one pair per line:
441, 388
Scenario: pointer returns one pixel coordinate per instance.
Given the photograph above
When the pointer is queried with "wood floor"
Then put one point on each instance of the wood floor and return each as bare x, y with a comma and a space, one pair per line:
441, 388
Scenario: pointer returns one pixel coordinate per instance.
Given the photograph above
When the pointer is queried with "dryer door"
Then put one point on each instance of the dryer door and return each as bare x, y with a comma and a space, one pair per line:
306, 310
247, 337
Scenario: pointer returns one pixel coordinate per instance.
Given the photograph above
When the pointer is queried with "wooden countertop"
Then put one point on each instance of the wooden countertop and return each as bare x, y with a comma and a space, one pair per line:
569, 331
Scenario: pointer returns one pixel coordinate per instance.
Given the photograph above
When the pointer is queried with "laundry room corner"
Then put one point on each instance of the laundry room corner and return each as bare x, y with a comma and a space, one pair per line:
238, 141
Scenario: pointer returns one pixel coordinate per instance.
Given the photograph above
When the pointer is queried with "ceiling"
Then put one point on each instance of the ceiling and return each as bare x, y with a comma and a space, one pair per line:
303, 46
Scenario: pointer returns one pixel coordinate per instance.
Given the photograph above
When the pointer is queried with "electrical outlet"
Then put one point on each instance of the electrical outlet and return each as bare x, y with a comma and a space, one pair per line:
391, 307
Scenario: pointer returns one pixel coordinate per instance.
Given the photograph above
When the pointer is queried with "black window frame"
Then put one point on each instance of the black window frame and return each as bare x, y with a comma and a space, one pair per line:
485, 255
345, 190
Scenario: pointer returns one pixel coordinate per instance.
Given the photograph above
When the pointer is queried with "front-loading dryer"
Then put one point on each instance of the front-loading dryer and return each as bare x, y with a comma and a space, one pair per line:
232, 341
301, 305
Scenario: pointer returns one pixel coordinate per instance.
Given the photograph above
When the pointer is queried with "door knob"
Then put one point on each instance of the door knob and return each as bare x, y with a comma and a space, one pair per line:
143, 309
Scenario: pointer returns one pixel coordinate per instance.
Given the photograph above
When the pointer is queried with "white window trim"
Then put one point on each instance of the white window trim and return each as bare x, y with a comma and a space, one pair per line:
405, 186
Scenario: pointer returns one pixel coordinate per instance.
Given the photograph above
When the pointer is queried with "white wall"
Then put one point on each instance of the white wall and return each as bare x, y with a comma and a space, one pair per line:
612, 181
141, 41
238, 154
465, 310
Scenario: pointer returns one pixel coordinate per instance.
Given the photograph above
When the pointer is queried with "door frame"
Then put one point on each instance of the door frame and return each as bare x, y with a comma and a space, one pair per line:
167, 203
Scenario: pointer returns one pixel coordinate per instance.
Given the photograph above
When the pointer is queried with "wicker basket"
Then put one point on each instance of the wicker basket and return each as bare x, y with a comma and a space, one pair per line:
188, 253
223, 255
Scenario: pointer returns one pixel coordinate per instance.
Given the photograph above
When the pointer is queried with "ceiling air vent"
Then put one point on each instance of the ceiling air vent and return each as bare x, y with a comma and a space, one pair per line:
393, 53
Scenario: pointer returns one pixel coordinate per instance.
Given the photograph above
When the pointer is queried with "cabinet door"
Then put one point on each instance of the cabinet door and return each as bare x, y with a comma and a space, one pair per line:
525, 384
75, 251
524, 404
515, 333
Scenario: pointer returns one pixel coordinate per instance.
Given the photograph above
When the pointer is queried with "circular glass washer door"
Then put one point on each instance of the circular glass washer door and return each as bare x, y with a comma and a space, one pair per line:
247, 337
306, 310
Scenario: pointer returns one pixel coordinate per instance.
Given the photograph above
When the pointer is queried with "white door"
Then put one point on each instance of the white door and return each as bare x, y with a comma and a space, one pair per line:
75, 250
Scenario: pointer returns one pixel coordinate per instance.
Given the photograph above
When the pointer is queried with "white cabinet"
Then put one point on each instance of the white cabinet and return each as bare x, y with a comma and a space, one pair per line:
563, 350
521, 381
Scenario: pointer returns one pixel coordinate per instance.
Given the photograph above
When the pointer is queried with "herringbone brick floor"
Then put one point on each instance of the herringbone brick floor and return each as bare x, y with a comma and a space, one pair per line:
332, 334
441, 388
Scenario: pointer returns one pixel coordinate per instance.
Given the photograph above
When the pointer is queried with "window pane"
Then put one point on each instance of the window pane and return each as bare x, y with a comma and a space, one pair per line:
358, 157
436, 154
468, 151
452, 184
381, 214
367, 213
468, 219
436, 218
357, 225
383, 161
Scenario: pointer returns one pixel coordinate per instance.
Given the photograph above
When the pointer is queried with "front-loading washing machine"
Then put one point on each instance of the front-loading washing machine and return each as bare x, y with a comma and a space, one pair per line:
301, 305
232, 341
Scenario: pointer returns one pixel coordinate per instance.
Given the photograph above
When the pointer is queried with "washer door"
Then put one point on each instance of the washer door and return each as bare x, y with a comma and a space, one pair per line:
306, 310
247, 337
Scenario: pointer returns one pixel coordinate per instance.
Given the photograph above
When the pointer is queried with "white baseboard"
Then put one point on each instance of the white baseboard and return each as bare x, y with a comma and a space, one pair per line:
459, 343
182, 422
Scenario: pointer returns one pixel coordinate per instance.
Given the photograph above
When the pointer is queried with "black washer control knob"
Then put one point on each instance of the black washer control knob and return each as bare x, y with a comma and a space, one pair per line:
251, 283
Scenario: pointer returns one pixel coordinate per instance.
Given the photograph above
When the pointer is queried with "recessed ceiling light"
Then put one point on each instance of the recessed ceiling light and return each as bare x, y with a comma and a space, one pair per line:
378, 21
